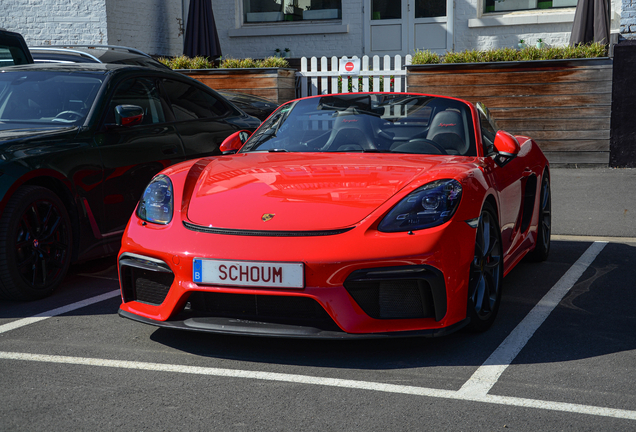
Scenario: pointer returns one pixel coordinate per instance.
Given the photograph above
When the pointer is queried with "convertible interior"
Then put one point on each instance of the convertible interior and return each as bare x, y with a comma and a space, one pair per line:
396, 123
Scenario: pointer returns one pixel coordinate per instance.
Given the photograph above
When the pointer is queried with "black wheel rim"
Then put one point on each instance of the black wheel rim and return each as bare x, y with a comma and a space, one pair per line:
546, 212
485, 275
42, 244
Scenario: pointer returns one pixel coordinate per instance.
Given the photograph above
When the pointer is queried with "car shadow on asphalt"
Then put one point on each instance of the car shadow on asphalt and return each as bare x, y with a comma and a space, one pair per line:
596, 317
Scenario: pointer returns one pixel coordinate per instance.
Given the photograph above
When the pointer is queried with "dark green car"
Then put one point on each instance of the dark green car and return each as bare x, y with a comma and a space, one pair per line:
78, 145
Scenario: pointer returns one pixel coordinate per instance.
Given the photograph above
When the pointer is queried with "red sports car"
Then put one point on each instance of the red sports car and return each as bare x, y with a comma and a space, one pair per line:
349, 215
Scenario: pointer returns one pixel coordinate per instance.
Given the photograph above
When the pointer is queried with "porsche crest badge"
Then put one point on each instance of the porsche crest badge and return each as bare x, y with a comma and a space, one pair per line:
267, 217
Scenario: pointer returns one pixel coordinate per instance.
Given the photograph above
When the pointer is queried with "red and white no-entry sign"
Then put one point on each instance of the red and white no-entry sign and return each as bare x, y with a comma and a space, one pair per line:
349, 66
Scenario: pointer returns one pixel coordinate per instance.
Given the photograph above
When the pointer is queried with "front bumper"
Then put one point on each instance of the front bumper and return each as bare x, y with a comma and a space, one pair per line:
357, 283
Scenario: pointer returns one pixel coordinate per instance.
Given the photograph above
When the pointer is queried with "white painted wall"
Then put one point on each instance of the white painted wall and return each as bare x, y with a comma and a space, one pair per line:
266, 38
153, 26
55, 22
628, 19
149, 25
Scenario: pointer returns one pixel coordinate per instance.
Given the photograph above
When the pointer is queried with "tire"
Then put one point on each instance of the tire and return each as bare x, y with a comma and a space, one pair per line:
486, 273
544, 227
35, 244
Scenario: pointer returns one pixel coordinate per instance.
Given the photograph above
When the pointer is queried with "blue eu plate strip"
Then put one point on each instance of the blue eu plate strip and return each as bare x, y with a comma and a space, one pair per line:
196, 270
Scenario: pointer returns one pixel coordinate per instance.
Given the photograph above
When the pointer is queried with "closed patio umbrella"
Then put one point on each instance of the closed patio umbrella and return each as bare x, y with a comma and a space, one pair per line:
591, 22
201, 37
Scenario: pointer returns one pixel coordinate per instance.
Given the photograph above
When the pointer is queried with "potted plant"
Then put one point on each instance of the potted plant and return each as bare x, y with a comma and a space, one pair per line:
540, 43
271, 78
560, 96
521, 44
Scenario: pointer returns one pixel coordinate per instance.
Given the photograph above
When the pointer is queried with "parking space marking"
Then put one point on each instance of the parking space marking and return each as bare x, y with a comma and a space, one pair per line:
55, 312
578, 238
487, 375
329, 382
475, 389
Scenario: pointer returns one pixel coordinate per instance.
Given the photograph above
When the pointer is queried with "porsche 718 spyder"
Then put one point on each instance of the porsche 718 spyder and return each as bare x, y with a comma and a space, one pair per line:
349, 215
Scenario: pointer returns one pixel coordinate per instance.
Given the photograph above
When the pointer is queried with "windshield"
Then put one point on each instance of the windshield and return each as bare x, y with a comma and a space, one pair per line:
46, 98
362, 122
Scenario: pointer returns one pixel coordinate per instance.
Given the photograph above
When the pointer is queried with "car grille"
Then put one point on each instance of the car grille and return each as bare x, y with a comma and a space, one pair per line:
398, 293
393, 299
144, 281
273, 309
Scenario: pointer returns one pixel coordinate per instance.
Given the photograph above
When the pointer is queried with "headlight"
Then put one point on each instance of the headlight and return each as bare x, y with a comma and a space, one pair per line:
156, 203
428, 206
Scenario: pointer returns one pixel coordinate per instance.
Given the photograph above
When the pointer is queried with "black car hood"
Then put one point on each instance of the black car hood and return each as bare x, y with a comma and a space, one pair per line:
12, 135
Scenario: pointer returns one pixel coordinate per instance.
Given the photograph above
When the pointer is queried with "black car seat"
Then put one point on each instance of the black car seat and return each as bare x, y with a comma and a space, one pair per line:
447, 130
350, 132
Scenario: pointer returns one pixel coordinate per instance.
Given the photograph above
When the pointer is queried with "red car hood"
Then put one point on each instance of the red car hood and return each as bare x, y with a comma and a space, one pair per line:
302, 191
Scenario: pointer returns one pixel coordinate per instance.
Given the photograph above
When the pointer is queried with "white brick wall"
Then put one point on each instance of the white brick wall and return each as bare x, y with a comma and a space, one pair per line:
227, 15
55, 22
628, 19
153, 27
149, 25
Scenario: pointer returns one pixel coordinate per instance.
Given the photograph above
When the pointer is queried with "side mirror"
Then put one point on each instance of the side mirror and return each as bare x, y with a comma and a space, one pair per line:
507, 148
128, 115
234, 142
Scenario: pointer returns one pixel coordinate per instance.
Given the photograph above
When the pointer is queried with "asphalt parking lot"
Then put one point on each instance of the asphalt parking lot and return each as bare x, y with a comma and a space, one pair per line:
561, 356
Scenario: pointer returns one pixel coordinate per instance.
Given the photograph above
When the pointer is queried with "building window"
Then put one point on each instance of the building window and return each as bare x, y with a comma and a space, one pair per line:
259, 11
518, 5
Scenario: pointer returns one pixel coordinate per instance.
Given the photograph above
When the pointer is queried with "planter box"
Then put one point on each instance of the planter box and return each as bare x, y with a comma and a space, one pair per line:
564, 105
275, 84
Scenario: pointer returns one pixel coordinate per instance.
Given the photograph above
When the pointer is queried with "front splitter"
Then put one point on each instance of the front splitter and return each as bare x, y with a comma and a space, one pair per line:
239, 327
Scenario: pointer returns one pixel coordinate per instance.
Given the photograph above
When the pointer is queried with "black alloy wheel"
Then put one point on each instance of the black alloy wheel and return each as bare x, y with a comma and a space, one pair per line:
486, 273
35, 244
544, 227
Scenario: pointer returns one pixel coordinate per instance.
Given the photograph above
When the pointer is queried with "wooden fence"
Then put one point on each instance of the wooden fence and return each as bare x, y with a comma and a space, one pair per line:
565, 105
388, 76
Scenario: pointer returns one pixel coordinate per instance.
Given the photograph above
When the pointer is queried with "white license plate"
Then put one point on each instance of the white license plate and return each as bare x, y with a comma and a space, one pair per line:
248, 273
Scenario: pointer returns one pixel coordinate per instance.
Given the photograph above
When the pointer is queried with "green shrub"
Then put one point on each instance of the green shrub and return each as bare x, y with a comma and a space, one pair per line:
183, 62
592, 50
425, 57
269, 62
273, 62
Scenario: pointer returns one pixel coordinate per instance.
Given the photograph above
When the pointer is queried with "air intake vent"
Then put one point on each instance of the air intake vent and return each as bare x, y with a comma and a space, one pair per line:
144, 279
399, 292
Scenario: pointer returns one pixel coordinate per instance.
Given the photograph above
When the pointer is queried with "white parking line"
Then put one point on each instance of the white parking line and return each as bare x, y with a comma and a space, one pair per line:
487, 375
475, 389
330, 382
55, 312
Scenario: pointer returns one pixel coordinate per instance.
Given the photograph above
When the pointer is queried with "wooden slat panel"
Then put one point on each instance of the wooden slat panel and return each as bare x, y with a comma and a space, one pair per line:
574, 145
554, 124
238, 82
565, 135
601, 99
278, 86
538, 89
600, 112
531, 66
601, 158
510, 77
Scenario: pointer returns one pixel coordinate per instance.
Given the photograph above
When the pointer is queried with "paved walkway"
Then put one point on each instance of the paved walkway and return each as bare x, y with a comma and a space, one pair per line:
594, 201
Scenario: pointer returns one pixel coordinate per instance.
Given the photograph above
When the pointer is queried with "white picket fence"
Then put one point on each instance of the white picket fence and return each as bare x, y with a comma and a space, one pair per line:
390, 77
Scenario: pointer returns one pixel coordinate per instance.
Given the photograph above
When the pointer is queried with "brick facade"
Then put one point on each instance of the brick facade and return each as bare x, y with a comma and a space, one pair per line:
154, 27
628, 19
56, 22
